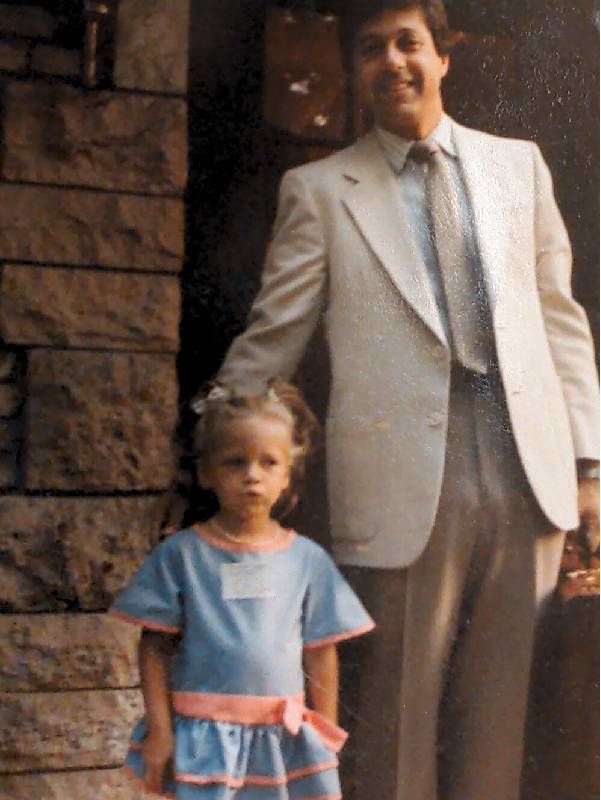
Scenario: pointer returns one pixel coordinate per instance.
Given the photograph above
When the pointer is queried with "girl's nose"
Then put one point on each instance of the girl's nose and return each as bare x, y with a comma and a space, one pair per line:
253, 471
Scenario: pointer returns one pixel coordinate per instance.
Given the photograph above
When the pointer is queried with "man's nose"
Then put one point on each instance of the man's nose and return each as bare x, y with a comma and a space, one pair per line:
394, 57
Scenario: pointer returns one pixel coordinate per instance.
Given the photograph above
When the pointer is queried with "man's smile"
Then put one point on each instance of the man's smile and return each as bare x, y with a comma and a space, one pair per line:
389, 83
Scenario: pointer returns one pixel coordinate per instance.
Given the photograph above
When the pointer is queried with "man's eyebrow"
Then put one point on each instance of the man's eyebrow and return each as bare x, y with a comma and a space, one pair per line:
377, 35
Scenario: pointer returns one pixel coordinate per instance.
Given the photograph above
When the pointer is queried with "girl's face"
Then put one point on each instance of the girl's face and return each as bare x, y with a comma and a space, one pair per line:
250, 467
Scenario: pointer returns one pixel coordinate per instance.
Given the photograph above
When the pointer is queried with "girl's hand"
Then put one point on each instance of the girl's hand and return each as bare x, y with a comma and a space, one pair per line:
155, 653
321, 669
157, 752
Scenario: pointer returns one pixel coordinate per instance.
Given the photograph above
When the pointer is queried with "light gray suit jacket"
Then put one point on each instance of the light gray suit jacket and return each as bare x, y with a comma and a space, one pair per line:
341, 247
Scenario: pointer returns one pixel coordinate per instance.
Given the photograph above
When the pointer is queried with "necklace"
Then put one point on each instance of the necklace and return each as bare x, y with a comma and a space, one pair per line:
221, 531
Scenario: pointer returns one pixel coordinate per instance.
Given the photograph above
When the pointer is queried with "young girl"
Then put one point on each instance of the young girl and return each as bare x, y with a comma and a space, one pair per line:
232, 611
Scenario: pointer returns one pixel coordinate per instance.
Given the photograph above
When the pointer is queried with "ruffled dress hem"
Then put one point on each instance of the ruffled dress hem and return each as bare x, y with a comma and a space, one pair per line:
137, 781
238, 741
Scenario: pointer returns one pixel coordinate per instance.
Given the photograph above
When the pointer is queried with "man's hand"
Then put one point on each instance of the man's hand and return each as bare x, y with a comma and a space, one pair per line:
157, 752
588, 509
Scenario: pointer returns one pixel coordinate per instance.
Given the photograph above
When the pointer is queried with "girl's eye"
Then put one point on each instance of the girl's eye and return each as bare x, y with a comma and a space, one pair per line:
235, 462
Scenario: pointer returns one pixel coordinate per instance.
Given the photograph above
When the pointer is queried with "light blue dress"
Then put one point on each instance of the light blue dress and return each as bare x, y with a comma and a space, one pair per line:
245, 613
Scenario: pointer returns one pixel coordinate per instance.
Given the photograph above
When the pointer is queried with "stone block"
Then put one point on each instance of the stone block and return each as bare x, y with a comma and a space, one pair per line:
26, 20
14, 56
53, 652
100, 784
151, 50
68, 226
10, 400
99, 421
66, 730
88, 308
55, 61
62, 135
71, 553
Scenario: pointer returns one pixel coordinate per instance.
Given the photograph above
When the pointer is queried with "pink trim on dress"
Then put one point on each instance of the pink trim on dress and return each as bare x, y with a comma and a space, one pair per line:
259, 710
238, 783
257, 780
243, 709
144, 623
324, 797
340, 637
281, 543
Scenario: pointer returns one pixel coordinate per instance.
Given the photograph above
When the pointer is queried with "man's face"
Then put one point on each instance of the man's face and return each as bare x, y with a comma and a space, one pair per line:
398, 72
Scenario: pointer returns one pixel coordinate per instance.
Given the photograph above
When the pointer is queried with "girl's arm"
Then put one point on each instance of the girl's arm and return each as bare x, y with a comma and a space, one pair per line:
154, 658
321, 669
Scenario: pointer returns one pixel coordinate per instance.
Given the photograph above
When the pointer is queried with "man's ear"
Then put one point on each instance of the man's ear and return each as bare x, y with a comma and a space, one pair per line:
446, 63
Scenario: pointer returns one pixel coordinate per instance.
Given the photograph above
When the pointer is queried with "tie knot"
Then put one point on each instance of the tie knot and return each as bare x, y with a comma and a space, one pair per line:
422, 152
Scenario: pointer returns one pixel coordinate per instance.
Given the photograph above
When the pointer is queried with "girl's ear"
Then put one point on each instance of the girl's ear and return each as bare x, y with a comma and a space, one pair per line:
286, 489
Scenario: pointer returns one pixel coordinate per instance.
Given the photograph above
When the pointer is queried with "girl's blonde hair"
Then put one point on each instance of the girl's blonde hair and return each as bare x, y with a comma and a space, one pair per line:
219, 407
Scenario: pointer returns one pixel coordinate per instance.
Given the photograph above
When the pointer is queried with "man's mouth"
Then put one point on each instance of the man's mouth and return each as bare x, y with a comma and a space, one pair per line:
395, 87
394, 82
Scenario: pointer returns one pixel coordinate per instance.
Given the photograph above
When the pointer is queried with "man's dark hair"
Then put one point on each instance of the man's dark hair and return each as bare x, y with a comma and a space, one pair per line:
355, 13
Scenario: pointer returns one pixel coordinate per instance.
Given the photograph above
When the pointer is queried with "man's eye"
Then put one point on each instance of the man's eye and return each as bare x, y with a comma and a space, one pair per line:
411, 44
369, 49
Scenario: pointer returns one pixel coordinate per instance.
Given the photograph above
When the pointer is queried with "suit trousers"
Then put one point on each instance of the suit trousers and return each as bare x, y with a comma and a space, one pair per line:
435, 699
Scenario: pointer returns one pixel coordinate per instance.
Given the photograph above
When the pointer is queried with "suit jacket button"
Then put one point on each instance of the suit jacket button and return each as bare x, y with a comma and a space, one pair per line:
435, 419
440, 352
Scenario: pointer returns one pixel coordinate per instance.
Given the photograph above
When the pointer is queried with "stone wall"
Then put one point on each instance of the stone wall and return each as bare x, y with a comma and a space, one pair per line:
91, 246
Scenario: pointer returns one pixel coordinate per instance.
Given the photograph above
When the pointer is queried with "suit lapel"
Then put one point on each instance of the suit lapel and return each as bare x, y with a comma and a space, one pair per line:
486, 178
374, 203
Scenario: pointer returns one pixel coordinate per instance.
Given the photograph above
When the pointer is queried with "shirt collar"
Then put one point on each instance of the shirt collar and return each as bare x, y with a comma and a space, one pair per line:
395, 148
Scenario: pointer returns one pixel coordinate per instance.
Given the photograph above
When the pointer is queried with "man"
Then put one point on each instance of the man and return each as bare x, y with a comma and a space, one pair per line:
463, 398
